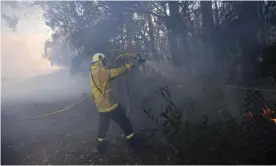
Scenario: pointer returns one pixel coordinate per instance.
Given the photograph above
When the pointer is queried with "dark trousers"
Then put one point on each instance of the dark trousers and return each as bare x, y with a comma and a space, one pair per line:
119, 116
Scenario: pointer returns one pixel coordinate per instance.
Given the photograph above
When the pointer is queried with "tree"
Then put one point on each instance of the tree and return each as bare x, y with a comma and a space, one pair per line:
210, 35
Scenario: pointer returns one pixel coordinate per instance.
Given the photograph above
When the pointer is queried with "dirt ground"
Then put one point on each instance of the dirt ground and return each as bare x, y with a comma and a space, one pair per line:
64, 138
70, 137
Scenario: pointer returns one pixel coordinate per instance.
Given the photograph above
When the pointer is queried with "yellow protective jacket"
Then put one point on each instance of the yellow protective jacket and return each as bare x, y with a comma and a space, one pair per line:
102, 77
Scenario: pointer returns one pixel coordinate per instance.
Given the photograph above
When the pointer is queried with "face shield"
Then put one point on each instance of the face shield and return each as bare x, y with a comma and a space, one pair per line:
104, 61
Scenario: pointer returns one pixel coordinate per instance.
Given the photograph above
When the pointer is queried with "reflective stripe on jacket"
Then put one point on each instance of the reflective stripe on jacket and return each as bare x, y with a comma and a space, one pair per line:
102, 90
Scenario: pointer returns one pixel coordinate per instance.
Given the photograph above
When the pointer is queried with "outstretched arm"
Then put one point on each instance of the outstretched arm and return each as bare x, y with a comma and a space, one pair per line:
114, 73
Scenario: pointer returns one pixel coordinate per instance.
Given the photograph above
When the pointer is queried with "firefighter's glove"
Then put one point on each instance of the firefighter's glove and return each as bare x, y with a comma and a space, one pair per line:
141, 61
102, 146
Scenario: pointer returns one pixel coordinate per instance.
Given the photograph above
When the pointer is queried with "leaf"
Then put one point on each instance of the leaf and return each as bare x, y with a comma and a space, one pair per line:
165, 123
166, 89
179, 115
152, 118
167, 110
164, 115
150, 109
146, 112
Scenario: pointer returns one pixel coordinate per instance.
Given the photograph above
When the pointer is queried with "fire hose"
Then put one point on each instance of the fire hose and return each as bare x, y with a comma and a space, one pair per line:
81, 101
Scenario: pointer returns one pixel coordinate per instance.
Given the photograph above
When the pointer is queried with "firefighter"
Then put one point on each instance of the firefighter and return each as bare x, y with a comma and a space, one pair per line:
108, 108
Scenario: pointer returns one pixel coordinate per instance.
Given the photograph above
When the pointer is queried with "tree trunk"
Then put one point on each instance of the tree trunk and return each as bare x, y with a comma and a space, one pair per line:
208, 35
151, 34
158, 43
188, 16
173, 28
122, 38
185, 46
216, 14
262, 24
248, 25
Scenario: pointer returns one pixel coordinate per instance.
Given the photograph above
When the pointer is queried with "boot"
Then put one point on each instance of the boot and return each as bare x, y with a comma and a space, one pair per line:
135, 143
102, 146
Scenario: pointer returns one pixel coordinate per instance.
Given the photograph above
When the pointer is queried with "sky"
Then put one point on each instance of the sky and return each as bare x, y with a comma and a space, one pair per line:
21, 51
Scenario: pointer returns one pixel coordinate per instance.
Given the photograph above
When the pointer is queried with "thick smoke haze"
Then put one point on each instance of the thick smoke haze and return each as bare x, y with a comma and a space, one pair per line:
26, 75
59, 85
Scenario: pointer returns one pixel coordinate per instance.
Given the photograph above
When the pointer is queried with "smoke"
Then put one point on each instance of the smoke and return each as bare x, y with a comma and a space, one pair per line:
59, 85
25, 74
11, 21
29, 77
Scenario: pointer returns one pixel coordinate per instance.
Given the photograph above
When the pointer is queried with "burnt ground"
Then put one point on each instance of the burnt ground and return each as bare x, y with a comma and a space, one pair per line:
70, 138
64, 138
